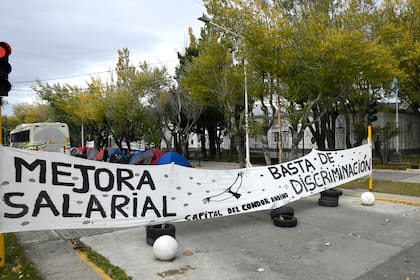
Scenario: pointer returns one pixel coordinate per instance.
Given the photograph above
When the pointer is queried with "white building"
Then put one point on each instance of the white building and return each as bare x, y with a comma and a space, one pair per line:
409, 136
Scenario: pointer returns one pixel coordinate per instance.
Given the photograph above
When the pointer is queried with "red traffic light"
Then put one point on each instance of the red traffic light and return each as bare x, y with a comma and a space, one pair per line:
5, 49
5, 69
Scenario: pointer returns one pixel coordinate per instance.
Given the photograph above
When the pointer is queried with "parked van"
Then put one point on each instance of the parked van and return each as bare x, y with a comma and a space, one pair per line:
45, 136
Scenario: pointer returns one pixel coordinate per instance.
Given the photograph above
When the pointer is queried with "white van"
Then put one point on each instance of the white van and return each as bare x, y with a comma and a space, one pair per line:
45, 136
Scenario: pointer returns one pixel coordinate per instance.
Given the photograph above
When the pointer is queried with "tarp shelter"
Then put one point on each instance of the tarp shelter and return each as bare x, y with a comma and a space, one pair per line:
102, 155
174, 157
133, 157
144, 158
148, 157
92, 153
84, 152
79, 152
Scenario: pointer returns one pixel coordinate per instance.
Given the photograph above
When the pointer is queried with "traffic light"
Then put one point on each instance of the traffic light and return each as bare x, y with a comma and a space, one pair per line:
5, 68
372, 112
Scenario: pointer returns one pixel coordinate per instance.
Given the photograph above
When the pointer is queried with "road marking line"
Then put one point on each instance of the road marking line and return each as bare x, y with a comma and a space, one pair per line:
97, 269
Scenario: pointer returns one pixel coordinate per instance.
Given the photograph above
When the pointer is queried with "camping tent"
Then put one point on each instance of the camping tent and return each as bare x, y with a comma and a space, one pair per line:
157, 154
133, 158
174, 157
79, 151
117, 156
142, 158
92, 153
147, 157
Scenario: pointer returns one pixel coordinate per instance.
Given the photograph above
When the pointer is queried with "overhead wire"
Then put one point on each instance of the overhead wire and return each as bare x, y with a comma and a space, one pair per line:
162, 63
63, 77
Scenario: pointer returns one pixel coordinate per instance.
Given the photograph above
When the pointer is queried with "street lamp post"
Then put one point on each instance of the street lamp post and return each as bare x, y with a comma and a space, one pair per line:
247, 152
395, 86
397, 155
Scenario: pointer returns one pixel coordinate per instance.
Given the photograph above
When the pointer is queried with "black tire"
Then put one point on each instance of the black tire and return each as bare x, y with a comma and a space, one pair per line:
328, 203
284, 210
285, 221
332, 192
153, 232
150, 241
329, 198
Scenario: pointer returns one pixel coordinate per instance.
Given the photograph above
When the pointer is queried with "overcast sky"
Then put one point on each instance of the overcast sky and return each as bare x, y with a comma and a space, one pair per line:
57, 39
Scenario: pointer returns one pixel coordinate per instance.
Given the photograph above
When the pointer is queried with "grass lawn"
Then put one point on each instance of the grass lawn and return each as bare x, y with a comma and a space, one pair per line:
401, 188
17, 266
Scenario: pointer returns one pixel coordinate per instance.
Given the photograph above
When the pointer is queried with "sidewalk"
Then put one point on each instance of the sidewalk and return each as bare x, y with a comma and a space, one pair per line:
54, 257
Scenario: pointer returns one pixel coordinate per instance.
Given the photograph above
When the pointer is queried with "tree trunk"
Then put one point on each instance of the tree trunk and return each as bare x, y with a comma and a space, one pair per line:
266, 150
203, 146
331, 119
295, 147
212, 141
239, 147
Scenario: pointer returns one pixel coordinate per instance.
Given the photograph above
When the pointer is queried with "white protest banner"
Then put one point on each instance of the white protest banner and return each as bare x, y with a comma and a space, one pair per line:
41, 190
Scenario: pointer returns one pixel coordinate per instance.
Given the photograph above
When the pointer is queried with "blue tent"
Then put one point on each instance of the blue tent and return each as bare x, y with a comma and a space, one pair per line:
133, 158
174, 157
115, 152
117, 156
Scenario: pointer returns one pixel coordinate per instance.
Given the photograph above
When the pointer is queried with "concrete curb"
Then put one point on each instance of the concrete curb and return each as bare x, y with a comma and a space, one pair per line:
393, 200
409, 200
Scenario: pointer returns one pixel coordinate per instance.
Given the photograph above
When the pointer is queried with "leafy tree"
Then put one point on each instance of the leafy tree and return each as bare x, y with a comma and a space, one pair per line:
24, 113
132, 109
324, 57
198, 117
31, 113
213, 79
123, 108
264, 36
211, 120
182, 115
152, 84
111, 108
398, 28
73, 106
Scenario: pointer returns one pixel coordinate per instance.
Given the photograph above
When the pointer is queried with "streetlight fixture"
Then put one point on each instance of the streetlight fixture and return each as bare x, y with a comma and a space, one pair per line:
247, 153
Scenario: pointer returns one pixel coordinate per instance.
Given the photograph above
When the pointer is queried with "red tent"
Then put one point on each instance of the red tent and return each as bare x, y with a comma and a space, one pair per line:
157, 153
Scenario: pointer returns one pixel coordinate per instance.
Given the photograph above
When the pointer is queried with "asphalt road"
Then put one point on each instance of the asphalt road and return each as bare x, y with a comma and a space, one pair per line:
346, 242
351, 241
